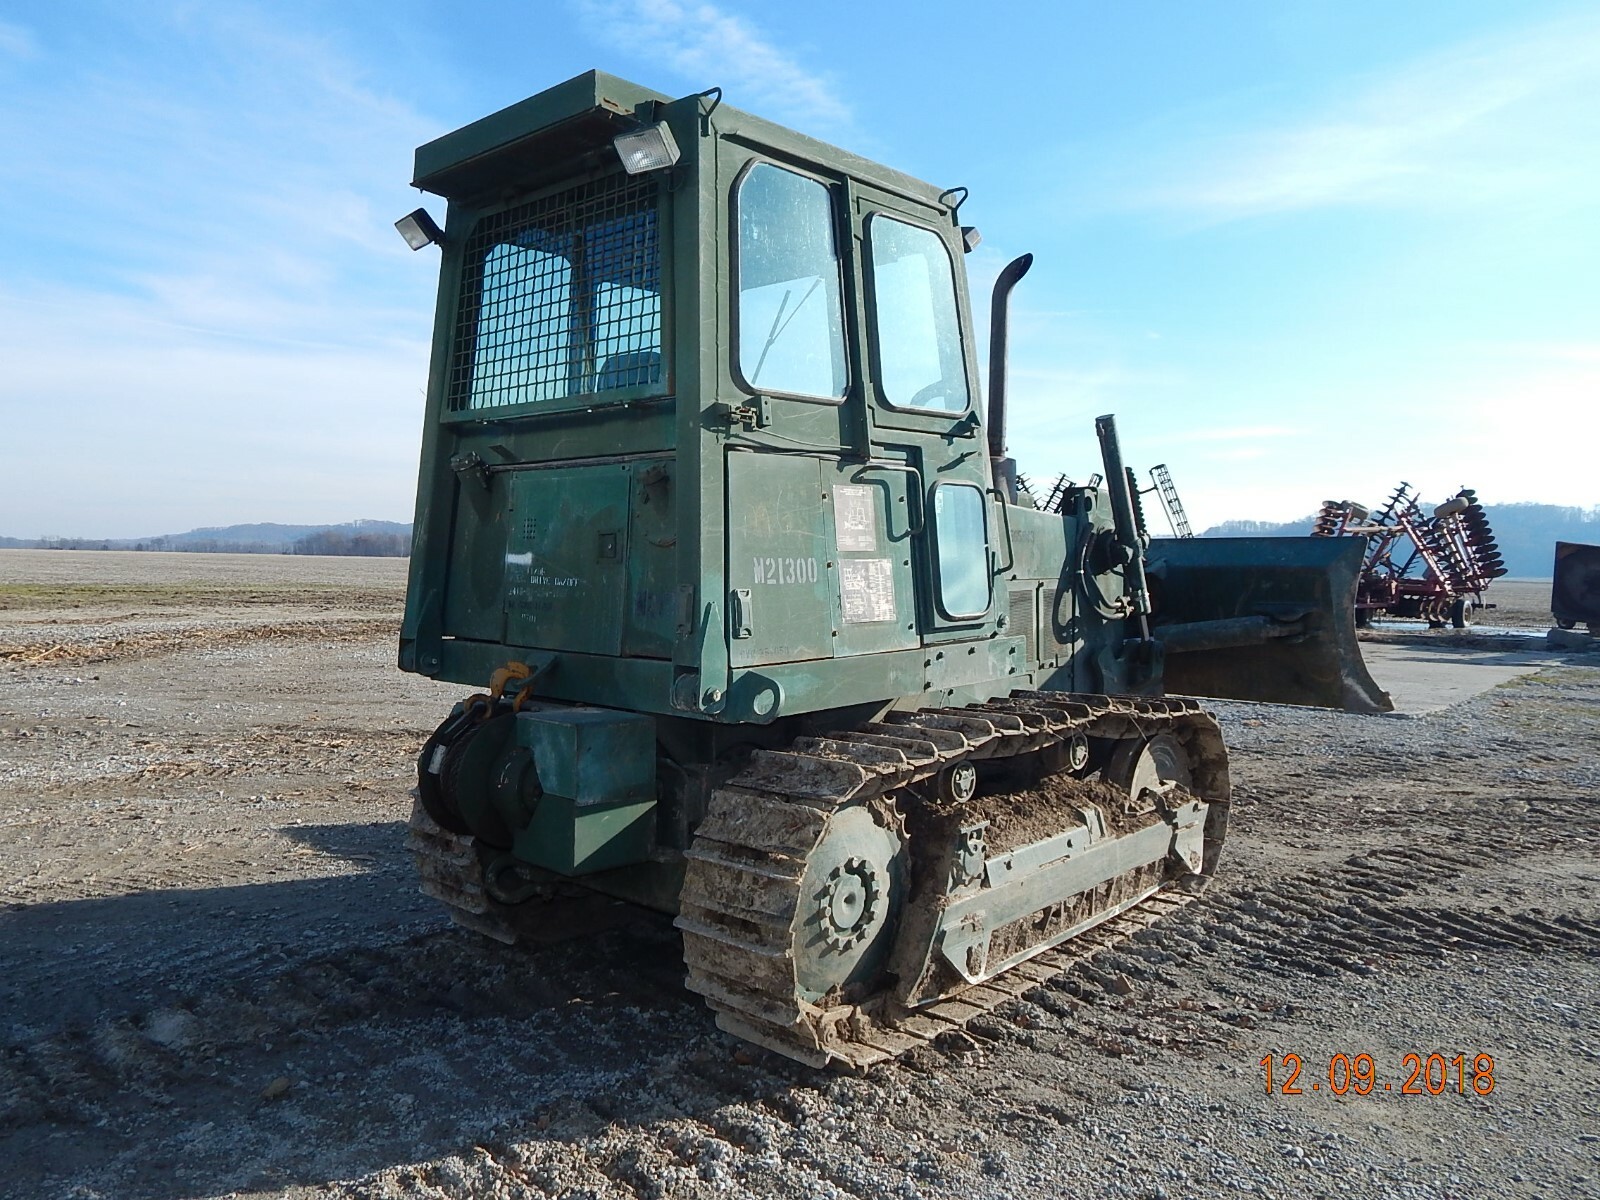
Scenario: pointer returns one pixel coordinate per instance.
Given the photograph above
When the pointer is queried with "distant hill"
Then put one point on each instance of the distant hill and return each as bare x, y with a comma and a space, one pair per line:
278, 535
1527, 533
381, 538
1298, 528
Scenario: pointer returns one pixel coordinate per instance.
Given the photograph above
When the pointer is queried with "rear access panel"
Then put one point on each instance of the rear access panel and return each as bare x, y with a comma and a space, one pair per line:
817, 567
779, 569
566, 557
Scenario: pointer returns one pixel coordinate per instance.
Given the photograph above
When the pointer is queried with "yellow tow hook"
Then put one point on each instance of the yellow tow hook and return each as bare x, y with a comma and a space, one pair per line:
512, 672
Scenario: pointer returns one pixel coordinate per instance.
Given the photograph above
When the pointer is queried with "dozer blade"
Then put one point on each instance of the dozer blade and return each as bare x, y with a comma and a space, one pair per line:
1269, 619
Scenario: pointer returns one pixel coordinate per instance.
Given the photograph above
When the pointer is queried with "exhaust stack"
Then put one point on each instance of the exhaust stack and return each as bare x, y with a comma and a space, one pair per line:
999, 320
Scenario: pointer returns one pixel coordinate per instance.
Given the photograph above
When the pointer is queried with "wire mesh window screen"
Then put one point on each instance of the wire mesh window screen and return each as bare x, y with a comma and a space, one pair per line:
562, 297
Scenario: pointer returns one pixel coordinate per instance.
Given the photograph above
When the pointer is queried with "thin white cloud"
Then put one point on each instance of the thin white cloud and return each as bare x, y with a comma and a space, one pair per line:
1514, 421
712, 48
17, 41
251, 199
1228, 454
1483, 121
1576, 352
1537, 415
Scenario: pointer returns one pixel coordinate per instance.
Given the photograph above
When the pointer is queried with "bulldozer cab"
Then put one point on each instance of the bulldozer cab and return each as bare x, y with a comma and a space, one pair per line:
704, 439
697, 415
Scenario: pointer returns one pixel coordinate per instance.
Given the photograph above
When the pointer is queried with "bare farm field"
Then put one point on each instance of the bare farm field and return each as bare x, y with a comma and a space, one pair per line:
217, 977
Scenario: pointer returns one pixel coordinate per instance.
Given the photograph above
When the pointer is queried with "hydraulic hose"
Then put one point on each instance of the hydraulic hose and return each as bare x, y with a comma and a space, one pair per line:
1127, 527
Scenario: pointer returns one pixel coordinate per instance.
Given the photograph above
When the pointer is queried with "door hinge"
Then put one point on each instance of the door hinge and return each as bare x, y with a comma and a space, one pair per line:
471, 466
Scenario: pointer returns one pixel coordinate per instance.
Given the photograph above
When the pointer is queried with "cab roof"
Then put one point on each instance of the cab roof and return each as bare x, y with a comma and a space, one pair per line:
532, 140
571, 117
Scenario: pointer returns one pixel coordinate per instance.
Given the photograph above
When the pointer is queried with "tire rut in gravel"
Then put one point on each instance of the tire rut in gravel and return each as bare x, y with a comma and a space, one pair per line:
64, 1075
1350, 918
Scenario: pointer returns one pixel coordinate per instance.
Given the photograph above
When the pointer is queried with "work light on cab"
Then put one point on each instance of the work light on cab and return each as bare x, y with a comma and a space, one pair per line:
419, 229
647, 149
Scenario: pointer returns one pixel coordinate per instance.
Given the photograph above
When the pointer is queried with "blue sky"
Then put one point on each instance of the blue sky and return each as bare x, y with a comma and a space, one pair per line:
1303, 251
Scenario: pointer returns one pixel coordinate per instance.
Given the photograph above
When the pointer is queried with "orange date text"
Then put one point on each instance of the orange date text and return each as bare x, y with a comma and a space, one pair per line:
1419, 1075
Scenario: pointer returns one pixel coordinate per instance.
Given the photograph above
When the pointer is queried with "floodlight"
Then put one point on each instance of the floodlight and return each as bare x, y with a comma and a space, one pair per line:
419, 229
647, 149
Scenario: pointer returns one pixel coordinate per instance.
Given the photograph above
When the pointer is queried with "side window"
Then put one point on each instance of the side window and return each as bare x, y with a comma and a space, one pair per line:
791, 323
962, 543
914, 316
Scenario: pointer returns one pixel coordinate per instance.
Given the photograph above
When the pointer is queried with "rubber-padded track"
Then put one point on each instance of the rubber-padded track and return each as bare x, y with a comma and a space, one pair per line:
452, 873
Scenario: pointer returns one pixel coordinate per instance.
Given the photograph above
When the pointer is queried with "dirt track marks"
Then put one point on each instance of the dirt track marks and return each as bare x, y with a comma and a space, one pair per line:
1353, 917
695, 1109
40, 648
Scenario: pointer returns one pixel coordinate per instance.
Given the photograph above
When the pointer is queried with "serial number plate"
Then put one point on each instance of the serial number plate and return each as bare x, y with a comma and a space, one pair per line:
785, 570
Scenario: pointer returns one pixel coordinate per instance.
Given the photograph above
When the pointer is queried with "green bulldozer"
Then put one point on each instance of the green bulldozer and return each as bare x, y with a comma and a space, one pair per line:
771, 634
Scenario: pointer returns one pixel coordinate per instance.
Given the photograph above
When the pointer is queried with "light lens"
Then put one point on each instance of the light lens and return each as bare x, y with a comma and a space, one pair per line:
647, 149
419, 229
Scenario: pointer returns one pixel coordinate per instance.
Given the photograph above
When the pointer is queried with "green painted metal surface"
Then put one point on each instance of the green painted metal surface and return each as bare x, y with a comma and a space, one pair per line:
577, 839
491, 153
539, 537
566, 578
591, 755
780, 560
1304, 584
597, 771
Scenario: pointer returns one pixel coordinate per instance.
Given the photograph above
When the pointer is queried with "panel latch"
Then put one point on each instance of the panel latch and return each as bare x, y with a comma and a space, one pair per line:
739, 614
756, 413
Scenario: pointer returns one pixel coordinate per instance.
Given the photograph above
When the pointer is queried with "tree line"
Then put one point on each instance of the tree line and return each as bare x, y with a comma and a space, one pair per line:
330, 541
361, 545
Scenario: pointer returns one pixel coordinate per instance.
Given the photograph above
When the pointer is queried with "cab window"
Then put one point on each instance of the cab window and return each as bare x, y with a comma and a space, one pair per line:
561, 297
790, 316
918, 333
961, 541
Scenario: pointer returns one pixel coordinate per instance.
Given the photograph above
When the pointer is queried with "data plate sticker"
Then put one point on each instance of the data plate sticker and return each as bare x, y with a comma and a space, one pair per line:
866, 590
855, 519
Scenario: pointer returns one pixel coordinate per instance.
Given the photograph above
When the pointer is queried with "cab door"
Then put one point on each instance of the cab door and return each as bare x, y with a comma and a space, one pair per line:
923, 402
819, 559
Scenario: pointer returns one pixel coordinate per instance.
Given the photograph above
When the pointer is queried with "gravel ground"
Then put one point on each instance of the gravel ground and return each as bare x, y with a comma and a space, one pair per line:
219, 978
1521, 602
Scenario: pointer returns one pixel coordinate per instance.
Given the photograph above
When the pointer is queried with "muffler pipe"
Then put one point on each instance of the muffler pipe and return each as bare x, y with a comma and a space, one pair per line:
999, 322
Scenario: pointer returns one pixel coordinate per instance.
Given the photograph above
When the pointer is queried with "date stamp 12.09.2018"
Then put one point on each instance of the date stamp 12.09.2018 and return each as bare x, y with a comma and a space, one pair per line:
1433, 1074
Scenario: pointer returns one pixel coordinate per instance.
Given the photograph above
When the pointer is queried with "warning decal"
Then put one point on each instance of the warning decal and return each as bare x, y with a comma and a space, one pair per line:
866, 590
855, 518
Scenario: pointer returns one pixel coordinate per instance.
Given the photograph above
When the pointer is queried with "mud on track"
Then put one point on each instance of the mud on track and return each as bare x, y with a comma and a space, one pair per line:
218, 977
